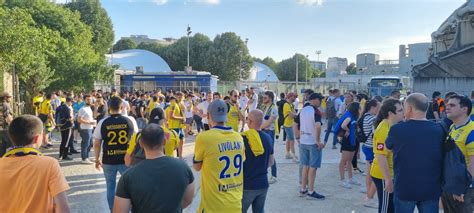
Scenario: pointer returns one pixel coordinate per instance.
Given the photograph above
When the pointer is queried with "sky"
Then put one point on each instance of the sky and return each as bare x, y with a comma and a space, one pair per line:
281, 28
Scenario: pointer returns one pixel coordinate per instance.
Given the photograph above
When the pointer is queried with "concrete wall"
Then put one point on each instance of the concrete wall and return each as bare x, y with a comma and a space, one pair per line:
427, 86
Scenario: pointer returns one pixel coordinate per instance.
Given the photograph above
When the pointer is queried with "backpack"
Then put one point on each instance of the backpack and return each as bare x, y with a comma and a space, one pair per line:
138, 152
331, 108
280, 105
360, 134
456, 179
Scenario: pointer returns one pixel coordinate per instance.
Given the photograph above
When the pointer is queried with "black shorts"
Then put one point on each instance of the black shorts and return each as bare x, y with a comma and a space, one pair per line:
43, 118
346, 145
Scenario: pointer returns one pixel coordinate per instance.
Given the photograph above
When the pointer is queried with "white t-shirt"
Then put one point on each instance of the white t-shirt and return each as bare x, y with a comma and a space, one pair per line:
243, 100
308, 120
203, 106
125, 107
296, 104
254, 103
188, 113
86, 114
272, 113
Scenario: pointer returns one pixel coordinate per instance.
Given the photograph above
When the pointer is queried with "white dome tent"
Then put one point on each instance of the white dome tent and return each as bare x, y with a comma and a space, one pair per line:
261, 72
129, 60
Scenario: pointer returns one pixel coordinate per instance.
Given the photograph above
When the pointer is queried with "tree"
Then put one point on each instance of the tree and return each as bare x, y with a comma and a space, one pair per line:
95, 16
351, 69
150, 46
27, 49
286, 70
227, 56
270, 63
124, 44
76, 63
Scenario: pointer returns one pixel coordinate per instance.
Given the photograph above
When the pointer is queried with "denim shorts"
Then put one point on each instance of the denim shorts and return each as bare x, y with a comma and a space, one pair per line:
290, 135
310, 155
368, 152
180, 133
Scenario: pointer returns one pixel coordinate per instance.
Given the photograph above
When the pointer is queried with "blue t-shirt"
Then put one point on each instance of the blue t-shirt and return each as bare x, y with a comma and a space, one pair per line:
417, 159
255, 168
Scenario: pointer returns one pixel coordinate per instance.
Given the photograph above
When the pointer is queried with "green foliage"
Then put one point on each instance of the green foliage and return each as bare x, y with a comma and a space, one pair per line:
351, 69
270, 63
68, 49
124, 44
94, 15
286, 70
227, 56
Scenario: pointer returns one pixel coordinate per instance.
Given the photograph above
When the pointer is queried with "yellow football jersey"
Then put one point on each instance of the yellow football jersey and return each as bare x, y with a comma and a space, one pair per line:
464, 137
233, 117
380, 135
171, 142
287, 108
45, 107
222, 154
174, 123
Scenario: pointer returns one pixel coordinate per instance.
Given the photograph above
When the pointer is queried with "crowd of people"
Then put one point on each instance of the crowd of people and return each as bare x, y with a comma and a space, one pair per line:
141, 135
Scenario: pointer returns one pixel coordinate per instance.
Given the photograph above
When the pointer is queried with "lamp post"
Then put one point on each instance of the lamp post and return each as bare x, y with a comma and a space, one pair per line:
306, 74
188, 33
318, 52
296, 56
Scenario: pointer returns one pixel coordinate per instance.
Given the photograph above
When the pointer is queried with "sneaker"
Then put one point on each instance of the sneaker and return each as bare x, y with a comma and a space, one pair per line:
272, 180
315, 196
74, 152
363, 190
358, 171
288, 156
295, 159
334, 147
87, 161
49, 145
303, 193
44, 147
371, 203
353, 182
345, 184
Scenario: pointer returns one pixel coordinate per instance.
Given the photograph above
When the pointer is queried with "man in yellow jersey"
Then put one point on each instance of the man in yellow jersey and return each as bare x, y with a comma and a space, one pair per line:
153, 104
381, 171
289, 114
175, 121
37, 100
220, 154
46, 116
234, 115
135, 153
458, 110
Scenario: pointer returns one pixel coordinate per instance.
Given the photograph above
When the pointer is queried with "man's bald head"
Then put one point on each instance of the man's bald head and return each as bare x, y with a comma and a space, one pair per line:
255, 119
418, 101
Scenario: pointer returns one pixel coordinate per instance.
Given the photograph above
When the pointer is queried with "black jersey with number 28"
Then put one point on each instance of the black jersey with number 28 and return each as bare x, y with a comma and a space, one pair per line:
116, 132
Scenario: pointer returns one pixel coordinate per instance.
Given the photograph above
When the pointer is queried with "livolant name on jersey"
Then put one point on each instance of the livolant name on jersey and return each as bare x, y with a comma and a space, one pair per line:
116, 126
229, 146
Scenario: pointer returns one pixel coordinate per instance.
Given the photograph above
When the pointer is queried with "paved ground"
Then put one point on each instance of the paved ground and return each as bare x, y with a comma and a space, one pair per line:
87, 193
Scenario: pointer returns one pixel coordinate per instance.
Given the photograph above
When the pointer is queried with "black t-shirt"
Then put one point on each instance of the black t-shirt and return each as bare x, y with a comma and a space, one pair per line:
140, 104
156, 185
116, 132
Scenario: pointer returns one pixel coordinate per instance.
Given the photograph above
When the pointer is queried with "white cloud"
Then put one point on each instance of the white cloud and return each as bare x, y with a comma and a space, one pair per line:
310, 2
160, 2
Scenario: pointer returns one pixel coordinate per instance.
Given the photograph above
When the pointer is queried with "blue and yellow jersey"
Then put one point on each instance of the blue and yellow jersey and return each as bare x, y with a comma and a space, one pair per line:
171, 142
233, 117
287, 108
380, 135
464, 137
45, 107
222, 154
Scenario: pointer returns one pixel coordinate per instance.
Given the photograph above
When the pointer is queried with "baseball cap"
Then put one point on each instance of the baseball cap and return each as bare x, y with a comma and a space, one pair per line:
156, 115
218, 111
316, 96
6, 94
291, 94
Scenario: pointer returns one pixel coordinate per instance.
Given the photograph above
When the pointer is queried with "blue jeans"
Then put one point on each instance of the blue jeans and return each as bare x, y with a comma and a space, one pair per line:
331, 123
272, 135
256, 198
428, 206
110, 173
86, 135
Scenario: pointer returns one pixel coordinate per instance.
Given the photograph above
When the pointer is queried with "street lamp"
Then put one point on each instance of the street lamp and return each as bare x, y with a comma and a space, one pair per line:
241, 55
318, 52
189, 33
306, 75
296, 57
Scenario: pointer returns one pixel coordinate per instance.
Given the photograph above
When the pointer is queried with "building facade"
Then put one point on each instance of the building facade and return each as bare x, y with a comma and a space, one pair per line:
319, 65
336, 66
